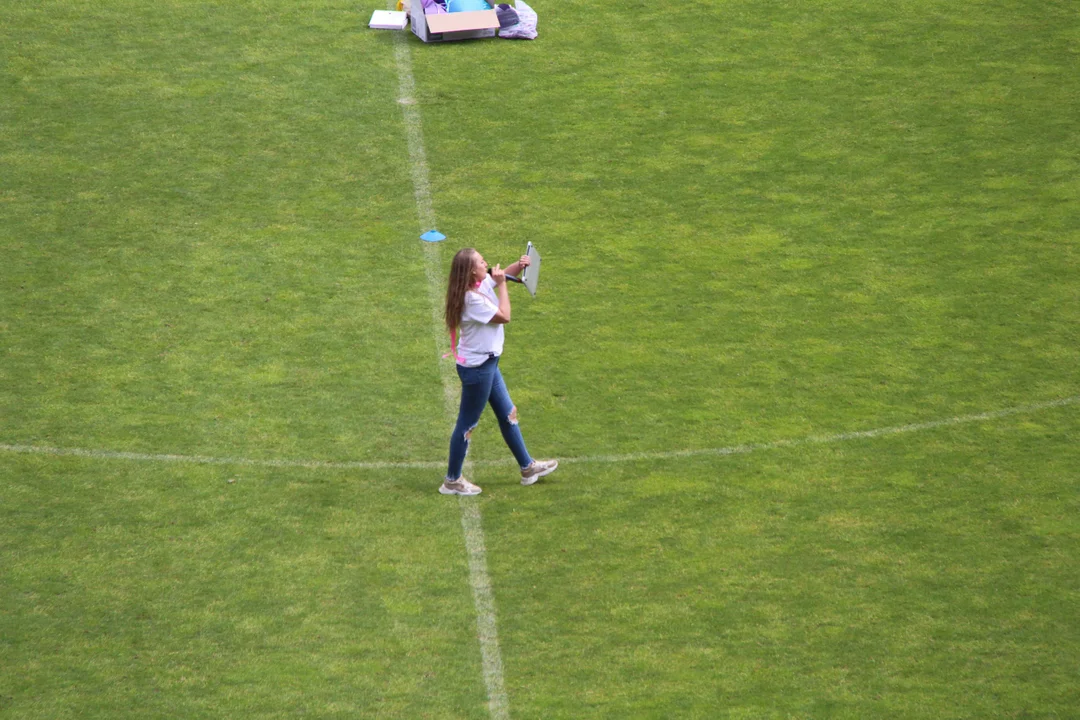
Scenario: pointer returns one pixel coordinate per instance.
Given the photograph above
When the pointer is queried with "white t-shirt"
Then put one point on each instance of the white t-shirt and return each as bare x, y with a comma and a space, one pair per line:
476, 336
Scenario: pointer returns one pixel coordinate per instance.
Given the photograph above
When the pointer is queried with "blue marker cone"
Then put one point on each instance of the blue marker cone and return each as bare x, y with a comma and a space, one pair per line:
433, 236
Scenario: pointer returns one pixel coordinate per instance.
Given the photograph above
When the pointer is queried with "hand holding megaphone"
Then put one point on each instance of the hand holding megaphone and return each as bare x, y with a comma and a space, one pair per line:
501, 272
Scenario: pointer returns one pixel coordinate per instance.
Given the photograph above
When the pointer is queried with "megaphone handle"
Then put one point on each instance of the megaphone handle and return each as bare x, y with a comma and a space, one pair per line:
511, 278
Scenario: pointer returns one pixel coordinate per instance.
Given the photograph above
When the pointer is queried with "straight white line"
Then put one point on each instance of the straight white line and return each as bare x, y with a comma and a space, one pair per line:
471, 524
205, 460
625, 457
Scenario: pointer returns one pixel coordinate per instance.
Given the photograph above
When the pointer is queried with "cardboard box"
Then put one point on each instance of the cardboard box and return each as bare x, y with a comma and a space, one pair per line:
446, 27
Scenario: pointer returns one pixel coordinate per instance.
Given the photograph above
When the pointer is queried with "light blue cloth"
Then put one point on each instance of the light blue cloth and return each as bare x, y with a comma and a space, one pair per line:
467, 5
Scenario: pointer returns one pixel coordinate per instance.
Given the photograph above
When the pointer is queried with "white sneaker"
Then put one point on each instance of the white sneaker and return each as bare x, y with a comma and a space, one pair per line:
461, 486
537, 470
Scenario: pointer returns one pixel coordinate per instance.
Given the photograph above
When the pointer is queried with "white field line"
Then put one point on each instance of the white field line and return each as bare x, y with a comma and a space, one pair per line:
620, 458
825, 439
471, 522
206, 460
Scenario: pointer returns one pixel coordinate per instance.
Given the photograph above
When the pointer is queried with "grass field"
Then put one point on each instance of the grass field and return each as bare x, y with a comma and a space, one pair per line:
807, 339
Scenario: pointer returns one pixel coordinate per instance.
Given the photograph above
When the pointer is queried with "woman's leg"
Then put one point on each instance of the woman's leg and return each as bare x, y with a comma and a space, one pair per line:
475, 390
508, 419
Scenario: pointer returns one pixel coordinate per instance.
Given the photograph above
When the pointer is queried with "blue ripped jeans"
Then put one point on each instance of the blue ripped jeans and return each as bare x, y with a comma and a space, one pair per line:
479, 386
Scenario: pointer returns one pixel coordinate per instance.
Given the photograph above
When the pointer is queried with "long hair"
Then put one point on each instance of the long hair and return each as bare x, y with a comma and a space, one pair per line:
461, 281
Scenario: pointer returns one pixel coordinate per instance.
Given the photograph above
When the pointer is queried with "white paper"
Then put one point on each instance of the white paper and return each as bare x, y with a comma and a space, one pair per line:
388, 20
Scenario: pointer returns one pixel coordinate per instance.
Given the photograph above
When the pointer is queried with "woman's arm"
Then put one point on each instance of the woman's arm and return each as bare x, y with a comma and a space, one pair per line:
517, 267
503, 315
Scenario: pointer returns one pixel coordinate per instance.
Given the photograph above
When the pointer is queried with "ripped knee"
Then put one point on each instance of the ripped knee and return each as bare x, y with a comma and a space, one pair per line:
513, 416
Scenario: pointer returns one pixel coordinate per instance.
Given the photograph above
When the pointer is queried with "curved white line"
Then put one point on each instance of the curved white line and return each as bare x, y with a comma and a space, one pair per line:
824, 439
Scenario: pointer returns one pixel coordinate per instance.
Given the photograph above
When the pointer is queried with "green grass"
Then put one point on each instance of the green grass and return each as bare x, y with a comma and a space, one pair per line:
883, 578
760, 222
147, 592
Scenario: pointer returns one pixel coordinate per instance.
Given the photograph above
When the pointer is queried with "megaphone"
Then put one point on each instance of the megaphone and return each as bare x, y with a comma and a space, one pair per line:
511, 278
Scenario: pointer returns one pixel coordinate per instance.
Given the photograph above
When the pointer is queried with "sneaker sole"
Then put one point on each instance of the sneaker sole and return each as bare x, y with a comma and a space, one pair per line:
534, 478
446, 491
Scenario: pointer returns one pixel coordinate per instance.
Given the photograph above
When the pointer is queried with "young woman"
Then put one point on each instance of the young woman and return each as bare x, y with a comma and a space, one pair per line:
477, 307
